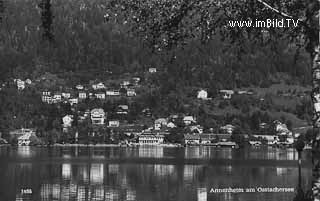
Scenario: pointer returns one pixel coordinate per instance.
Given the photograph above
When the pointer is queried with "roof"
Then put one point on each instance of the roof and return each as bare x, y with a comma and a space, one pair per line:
160, 121
97, 110
188, 118
227, 91
151, 135
228, 126
124, 107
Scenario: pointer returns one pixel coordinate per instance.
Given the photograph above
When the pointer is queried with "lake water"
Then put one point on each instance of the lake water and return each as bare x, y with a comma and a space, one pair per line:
149, 173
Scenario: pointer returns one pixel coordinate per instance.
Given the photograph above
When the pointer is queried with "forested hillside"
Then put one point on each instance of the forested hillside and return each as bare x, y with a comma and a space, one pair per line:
91, 43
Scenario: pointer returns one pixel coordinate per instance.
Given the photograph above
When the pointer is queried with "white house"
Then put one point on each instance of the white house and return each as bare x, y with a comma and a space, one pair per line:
98, 86
80, 87
66, 94
28, 81
113, 93
124, 84
67, 120
57, 97
227, 128
122, 109
98, 116
202, 94
131, 92
171, 125
187, 120
226, 94
82, 95
152, 70
47, 99
46, 93
73, 101
114, 123
136, 80
20, 84
100, 95
281, 128
151, 139
196, 129
158, 123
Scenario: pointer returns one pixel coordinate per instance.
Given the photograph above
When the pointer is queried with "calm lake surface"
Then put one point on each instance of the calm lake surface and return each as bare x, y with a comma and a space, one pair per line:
148, 173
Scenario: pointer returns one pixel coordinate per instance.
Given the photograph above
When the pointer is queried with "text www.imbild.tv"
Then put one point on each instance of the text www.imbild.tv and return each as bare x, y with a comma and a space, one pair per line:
268, 23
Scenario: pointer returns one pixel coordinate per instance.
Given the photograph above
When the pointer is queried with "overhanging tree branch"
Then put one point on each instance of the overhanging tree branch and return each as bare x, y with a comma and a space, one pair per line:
278, 11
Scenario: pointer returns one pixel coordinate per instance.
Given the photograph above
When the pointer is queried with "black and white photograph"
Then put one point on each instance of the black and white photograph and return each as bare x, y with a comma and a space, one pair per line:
159, 100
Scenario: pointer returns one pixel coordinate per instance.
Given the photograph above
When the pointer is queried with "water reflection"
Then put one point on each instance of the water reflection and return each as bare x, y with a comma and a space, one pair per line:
24, 151
92, 179
150, 152
202, 194
66, 171
96, 174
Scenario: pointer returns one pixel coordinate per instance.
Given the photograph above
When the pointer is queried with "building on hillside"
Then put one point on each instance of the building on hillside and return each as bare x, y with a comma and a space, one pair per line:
67, 120
73, 101
124, 84
152, 70
100, 85
227, 128
196, 129
171, 125
100, 95
159, 123
187, 120
123, 109
66, 95
136, 80
114, 123
131, 92
82, 95
80, 87
111, 92
57, 97
281, 128
21, 85
46, 98
202, 94
46, 93
147, 112
226, 94
28, 81
192, 139
98, 116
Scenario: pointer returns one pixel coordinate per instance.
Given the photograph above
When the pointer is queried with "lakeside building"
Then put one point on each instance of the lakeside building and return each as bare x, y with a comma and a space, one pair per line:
22, 131
192, 138
147, 138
